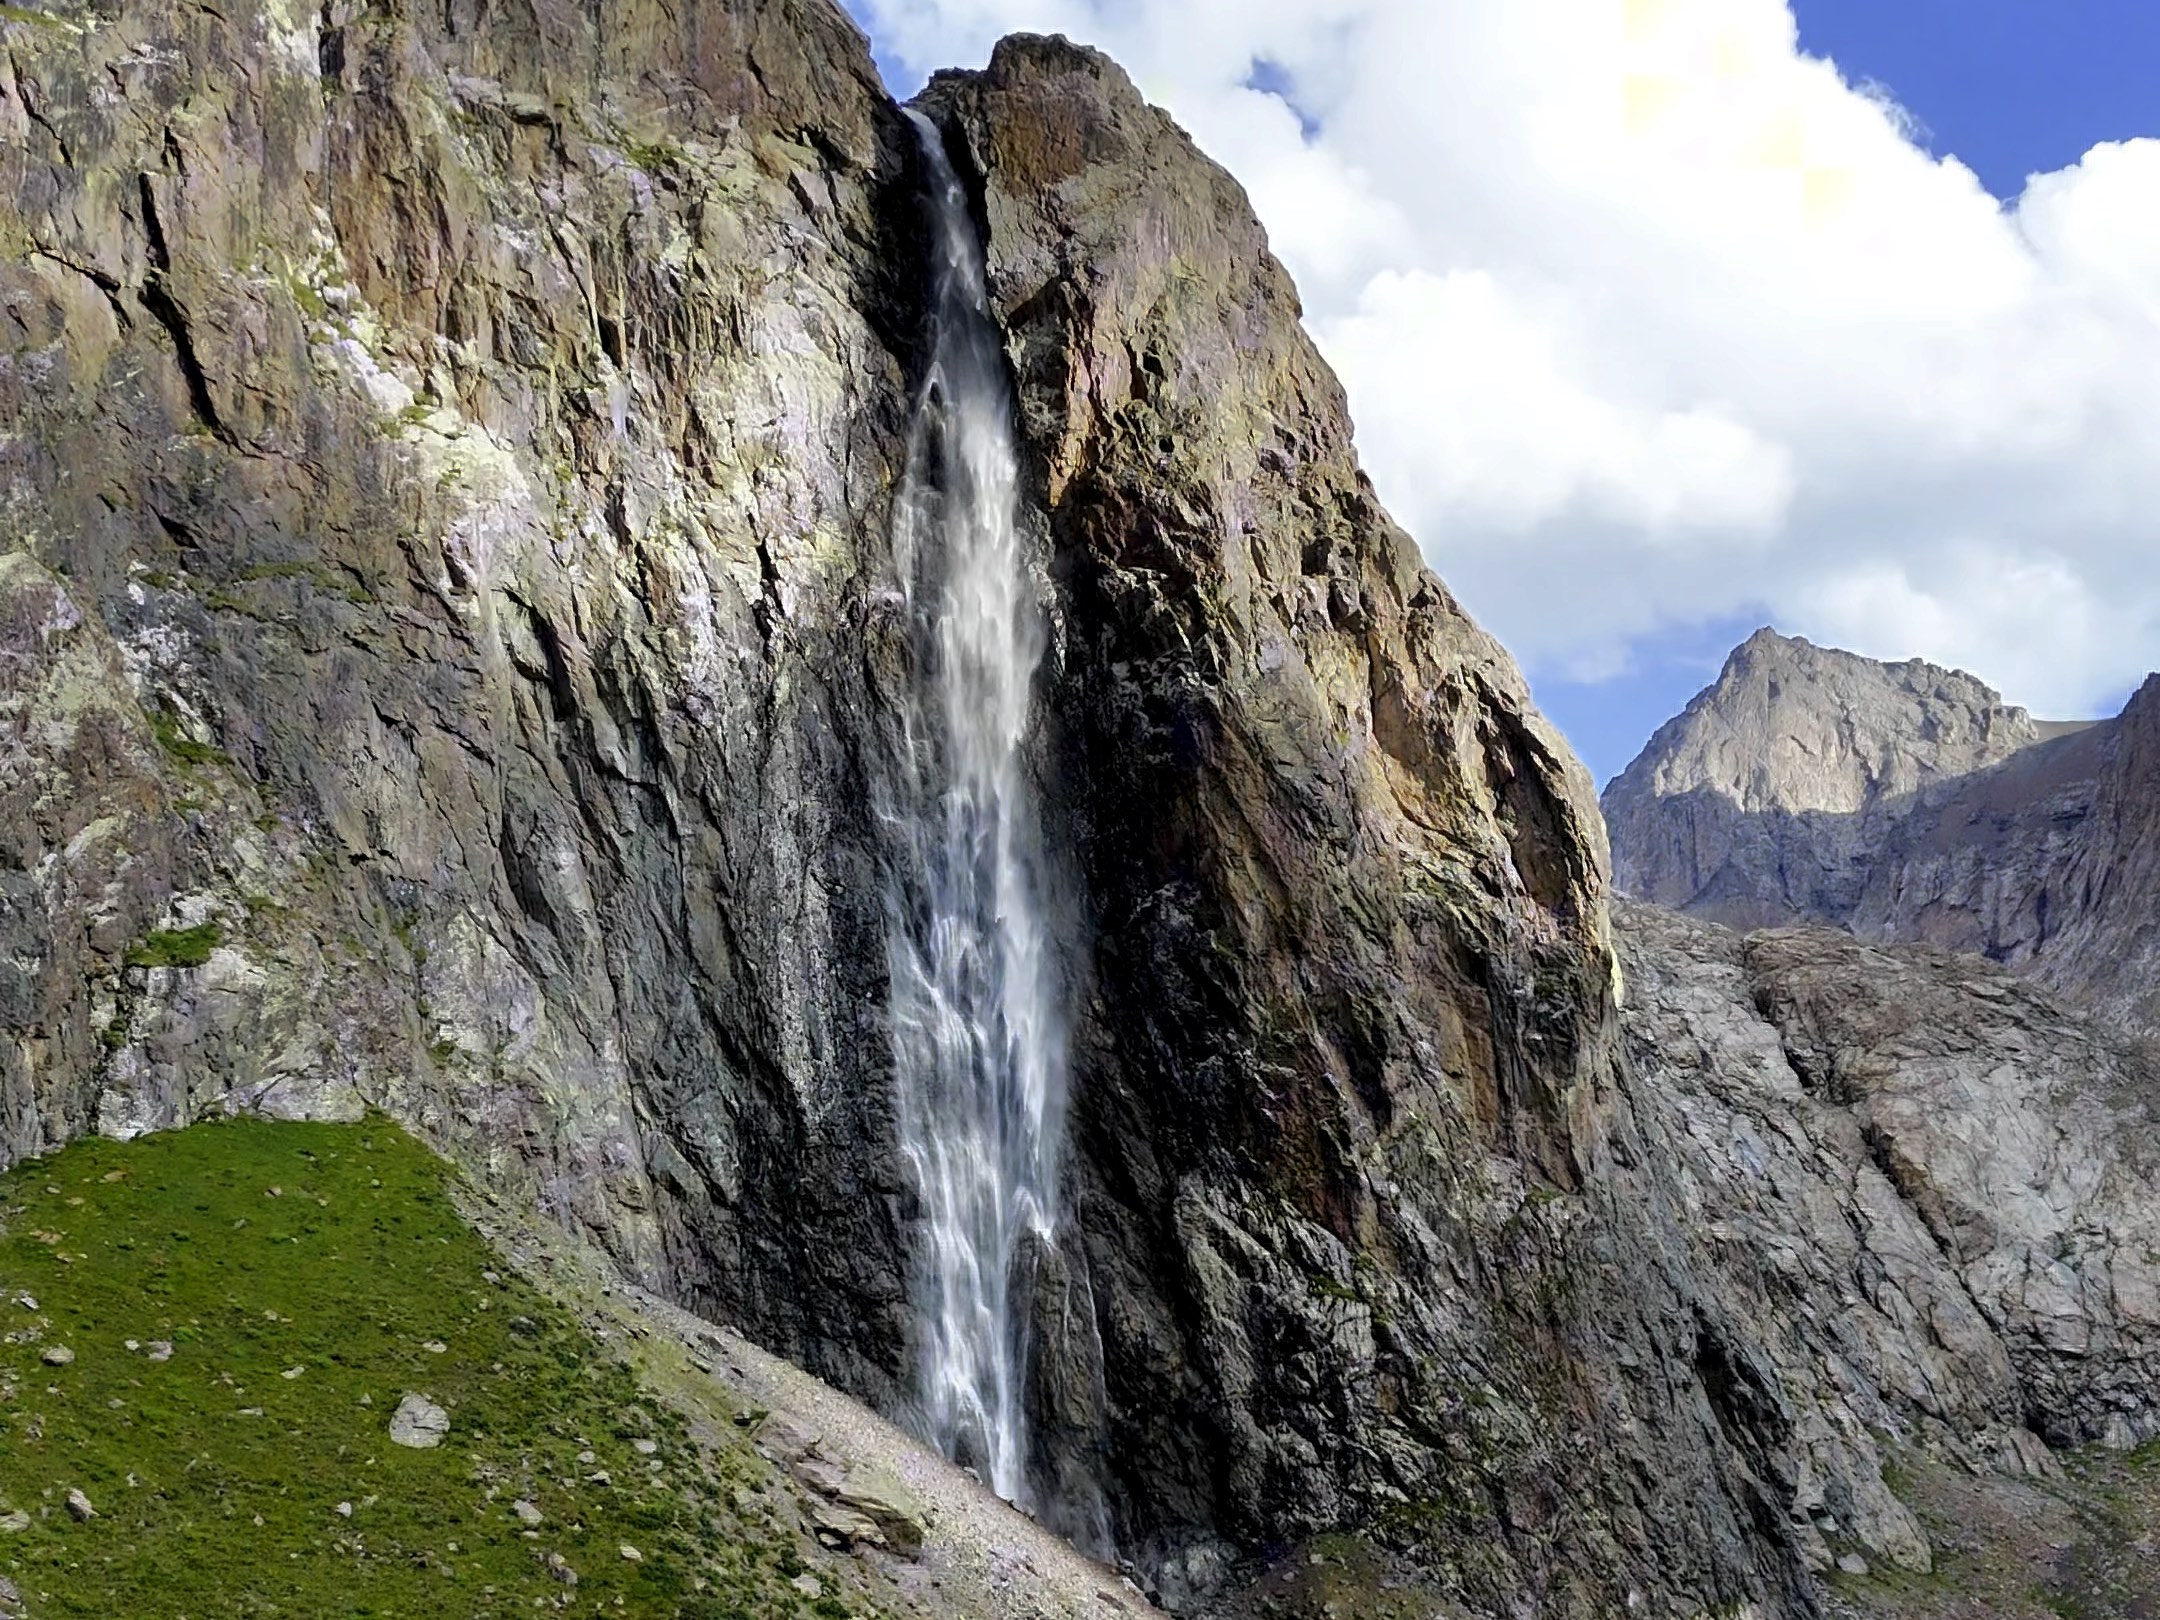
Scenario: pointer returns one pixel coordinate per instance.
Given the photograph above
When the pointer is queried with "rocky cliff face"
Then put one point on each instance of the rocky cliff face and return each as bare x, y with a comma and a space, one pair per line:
1771, 797
2100, 940
446, 459
1928, 1187
1906, 802
449, 652
1344, 1065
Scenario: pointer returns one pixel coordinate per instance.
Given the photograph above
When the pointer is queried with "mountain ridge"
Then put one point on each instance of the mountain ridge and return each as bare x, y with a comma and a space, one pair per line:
1901, 801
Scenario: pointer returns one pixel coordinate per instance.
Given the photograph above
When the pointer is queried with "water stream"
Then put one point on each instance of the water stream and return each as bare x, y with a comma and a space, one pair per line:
978, 1042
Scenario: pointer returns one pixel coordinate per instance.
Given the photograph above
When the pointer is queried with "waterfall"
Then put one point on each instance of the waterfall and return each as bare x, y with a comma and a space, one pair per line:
978, 1043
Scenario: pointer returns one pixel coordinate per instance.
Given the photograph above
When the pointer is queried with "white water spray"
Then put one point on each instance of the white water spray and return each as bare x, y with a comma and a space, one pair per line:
978, 1046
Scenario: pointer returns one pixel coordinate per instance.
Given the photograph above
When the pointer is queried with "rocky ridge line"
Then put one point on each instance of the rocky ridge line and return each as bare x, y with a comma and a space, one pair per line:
1906, 802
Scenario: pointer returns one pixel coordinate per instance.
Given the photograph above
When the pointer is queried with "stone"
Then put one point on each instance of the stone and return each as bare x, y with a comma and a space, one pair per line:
160, 1350
78, 1506
14, 1522
419, 1423
864, 1506
630, 1554
843, 1529
57, 1355
1768, 799
1852, 1564
526, 1513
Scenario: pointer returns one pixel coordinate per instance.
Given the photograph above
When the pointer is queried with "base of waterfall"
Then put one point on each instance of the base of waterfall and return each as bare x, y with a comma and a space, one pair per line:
936, 1541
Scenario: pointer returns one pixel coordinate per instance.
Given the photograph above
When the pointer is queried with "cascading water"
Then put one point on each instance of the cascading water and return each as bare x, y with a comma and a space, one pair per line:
978, 1046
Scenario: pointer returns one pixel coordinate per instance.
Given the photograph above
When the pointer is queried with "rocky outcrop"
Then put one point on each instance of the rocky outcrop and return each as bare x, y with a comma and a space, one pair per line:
1931, 1190
2049, 863
1905, 802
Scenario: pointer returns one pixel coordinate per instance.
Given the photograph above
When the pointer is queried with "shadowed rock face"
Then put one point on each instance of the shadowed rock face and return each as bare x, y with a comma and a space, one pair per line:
1903, 801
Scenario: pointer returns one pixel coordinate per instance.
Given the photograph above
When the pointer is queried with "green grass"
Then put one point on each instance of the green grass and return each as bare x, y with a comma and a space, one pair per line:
181, 746
40, 19
656, 158
303, 1275
176, 947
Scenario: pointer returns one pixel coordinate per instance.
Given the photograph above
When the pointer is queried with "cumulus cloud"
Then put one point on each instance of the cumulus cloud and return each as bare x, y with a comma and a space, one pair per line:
1649, 320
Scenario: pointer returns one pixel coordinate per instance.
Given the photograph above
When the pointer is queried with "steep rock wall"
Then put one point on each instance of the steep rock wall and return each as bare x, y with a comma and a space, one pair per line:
446, 463
1361, 1243
1772, 796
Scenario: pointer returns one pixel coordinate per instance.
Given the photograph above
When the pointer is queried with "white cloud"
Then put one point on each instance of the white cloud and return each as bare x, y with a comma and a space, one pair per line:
1649, 320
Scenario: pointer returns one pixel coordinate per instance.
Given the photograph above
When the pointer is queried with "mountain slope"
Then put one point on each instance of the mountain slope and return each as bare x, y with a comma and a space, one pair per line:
210, 1333
1907, 802
1930, 1191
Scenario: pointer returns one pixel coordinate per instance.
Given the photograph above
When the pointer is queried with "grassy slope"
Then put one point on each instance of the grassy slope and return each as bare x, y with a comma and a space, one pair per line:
302, 1274
2082, 1546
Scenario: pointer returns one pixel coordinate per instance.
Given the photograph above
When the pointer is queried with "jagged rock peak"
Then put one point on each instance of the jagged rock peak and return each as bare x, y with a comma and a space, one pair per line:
1905, 802
1789, 725
1769, 796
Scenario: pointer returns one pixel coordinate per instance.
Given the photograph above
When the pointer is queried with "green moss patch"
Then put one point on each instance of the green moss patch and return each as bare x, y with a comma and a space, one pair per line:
37, 19
176, 947
181, 746
206, 1334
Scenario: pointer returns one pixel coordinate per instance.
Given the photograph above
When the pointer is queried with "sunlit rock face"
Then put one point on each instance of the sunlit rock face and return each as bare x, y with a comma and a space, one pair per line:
448, 460
1906, 802
1773, 795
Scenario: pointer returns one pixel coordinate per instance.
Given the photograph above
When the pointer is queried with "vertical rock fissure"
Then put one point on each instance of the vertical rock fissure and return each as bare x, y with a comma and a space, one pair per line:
978, 1039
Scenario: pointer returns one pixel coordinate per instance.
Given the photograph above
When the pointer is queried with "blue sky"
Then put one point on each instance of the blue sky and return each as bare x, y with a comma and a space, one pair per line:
1635, 406
2011, 87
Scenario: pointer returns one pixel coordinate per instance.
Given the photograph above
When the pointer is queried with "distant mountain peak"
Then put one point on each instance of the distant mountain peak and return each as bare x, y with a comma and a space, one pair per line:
1790, 726
1904, 801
